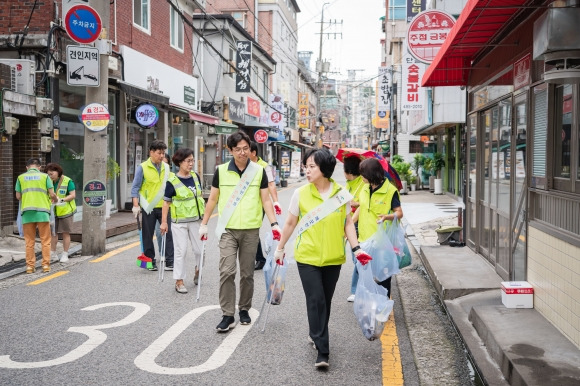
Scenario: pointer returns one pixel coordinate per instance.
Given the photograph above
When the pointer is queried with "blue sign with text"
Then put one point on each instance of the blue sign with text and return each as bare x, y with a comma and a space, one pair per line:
83, 24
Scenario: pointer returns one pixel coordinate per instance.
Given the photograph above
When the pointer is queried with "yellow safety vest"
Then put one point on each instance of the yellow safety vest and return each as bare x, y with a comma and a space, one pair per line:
262, 163
323, 243
34, 191
248, 213
355, 187
69, 208
185, 204
152, 181
371, 206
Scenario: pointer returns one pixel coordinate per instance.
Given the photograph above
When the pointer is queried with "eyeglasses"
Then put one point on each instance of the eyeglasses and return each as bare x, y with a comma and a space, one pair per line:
241, 149
189, 160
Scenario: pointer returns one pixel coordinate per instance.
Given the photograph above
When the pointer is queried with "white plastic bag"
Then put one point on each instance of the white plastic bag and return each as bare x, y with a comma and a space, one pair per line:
19, 221
274, 285
384, 263
372, 305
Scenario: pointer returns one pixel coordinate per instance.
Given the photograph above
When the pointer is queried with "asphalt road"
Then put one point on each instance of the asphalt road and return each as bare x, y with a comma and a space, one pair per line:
106, 321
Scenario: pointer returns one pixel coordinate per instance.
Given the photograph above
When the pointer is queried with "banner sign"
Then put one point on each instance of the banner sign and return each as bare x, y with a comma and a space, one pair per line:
427, 32
237, 111
276, 118
243, 65
413, 93
303, 111
384, 92
253, 107
414, 7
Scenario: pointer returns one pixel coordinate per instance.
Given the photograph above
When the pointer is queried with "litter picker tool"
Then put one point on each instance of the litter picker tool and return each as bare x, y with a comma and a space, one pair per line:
269, 299
143, 261
201, 260
162, 258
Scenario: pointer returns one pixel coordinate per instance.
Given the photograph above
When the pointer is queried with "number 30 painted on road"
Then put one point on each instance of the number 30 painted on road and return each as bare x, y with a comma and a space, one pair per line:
146, 360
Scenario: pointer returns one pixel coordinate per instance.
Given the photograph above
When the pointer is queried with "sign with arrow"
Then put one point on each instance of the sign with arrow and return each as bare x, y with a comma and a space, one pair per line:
82, 66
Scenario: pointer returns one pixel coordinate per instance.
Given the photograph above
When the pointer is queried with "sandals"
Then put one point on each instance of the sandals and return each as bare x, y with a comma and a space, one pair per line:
180, 288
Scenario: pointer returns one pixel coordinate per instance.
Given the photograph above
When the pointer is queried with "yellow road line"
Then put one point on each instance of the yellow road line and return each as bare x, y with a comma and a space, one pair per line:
392, 368
47, 278
114, 252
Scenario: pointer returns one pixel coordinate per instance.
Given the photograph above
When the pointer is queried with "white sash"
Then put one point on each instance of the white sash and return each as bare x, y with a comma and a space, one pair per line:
321, 211
148, 206
236, 196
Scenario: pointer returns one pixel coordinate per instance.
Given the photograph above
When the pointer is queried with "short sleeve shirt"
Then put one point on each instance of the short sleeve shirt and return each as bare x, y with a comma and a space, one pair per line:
30, 216
232, 166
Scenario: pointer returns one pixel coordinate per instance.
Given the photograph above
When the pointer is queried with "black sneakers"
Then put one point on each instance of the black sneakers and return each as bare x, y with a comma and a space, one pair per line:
245, 317
226, 323
259, 265
321, 361
153, 267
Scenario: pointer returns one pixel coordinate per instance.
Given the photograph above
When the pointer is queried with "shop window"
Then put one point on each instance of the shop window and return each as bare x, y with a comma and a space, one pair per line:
563, 132
141, 16
240, 17
540, 135
397, 9
265, 82
416, 147
176, 29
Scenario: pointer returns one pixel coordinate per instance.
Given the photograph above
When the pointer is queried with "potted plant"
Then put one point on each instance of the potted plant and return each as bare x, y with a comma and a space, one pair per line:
403, 170
416, 164
437, 165
412, 182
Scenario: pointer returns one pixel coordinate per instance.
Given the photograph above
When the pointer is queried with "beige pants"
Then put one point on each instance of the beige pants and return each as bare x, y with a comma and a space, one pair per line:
236, 244
29, 231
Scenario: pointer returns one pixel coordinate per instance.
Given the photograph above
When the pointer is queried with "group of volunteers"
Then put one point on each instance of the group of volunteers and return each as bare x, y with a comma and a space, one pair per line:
322, 213
40, 193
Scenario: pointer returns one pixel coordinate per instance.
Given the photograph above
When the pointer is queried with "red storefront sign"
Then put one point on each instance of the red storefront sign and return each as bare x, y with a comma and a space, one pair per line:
427, 32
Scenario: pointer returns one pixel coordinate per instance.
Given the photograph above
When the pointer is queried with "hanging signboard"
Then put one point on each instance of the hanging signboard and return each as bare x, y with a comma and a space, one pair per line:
276, 112
243, 65
384, 90
146, 115
253, 107
427, 32
413, 93
303, 122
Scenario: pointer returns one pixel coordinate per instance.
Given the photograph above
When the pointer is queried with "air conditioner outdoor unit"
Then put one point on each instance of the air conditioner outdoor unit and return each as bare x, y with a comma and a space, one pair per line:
22, 75
45, 125
11, 125
45, 144
44, 105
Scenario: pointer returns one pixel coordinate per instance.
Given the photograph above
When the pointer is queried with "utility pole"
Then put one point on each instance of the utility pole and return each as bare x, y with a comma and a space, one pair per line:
95, 144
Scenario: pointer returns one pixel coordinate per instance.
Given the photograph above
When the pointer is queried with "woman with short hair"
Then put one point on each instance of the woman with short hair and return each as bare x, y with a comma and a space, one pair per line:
321, 210
64, 209
183, 196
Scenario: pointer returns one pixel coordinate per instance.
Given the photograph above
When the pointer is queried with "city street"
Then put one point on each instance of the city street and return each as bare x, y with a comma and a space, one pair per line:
106, 321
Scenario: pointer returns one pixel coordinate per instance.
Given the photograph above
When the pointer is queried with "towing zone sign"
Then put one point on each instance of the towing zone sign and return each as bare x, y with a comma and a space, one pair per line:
82, 66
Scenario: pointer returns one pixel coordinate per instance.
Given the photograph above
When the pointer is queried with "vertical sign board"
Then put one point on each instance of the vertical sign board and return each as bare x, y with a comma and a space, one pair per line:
384, 92
277, 111
83, 24
253, 107
82, 66
303, 110
413, 93
414, 7
243, 65
237, 111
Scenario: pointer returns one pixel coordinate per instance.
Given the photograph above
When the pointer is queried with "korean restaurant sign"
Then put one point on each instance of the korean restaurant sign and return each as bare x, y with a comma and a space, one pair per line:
384, 90
253, 106
413, 93
522, 74
243, 65
427, 32
414, 7
276, 117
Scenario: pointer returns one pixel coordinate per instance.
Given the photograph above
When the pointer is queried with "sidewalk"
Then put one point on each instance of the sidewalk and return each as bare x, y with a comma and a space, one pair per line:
508, 346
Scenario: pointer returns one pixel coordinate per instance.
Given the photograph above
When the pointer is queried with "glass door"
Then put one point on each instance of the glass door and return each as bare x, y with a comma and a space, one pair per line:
502, 178
484, 199
471, 158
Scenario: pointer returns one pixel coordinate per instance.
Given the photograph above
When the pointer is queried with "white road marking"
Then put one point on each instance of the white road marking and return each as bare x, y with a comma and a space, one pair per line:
96, 337
146, 360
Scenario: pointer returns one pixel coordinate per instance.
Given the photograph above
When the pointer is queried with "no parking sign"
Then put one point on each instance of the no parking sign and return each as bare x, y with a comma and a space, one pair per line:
83, 24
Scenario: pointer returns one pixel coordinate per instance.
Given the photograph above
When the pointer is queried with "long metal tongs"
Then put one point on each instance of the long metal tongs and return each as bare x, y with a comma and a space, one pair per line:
200, 270
162, 259
269, 300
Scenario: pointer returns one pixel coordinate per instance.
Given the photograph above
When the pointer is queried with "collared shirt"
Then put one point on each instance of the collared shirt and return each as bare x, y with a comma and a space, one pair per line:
395, 202
234, 168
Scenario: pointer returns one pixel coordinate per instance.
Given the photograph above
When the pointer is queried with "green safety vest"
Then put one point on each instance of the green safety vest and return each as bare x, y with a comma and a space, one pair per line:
354, 187
152, 181
248, 213
323, 243
69, 208
185, 205
262, 163
371, 206
34, 191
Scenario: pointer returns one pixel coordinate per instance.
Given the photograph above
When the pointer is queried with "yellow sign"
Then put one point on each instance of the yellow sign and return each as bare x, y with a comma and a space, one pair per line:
303, 122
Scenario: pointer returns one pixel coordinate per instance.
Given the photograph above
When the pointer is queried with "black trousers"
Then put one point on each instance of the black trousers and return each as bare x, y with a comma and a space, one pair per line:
387, 284
319, 284
259, 254
148, 231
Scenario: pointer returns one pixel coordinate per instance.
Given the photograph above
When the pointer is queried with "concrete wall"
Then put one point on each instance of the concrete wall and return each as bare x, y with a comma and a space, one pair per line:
554, 272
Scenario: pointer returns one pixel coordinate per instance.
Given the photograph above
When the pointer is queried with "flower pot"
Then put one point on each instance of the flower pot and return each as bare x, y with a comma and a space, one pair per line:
431, 183
404, 190
283, 183
108, 204
413, 187
438, 186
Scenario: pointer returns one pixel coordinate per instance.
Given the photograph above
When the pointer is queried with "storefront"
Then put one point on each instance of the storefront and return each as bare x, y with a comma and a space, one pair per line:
522, 144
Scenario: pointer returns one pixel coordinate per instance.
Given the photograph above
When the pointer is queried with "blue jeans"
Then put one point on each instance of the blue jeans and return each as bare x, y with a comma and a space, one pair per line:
354, 280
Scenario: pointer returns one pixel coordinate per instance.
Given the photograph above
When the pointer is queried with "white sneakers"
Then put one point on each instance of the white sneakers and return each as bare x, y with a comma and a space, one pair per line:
350, 298
64, 257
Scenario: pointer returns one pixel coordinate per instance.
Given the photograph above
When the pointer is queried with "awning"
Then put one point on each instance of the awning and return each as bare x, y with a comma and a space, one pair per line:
477, 26
288, 146
203, 118
143, 94
435, 128
225, 128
